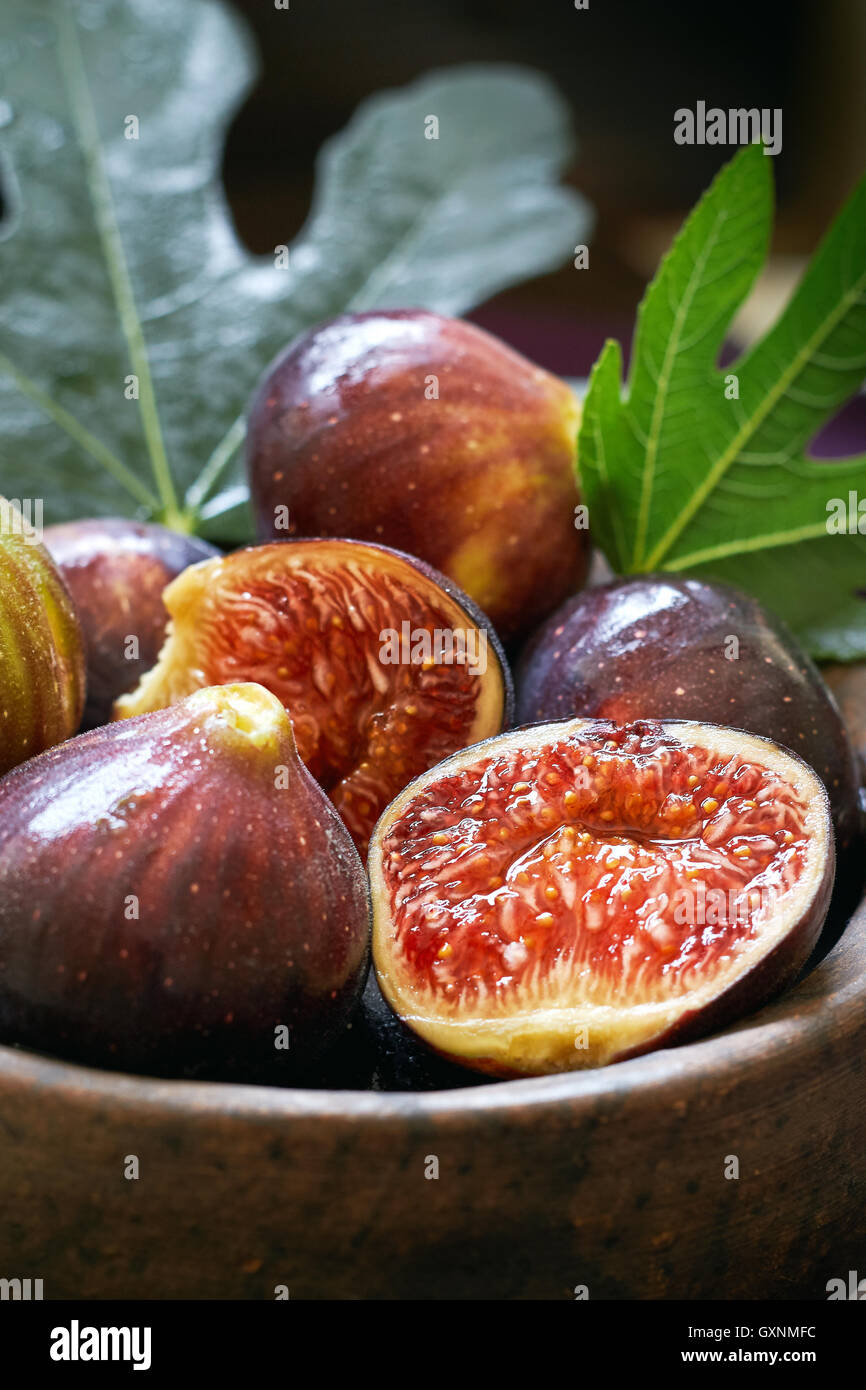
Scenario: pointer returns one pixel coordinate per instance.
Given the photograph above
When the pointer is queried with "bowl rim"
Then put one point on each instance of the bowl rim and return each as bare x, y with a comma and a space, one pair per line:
832, 995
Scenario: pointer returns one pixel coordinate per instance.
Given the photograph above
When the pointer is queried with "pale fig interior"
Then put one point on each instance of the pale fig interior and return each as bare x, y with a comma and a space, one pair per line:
561, 895
383, 673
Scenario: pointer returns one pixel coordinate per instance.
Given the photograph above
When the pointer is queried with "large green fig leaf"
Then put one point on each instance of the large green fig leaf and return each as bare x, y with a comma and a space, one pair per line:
133, 324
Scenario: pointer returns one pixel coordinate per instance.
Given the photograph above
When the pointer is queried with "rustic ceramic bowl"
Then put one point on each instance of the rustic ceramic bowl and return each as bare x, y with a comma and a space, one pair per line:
614, 1180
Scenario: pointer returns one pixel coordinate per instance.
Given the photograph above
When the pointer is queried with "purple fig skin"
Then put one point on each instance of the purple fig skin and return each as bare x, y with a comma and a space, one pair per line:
175, 888
848, 686
654, 647
478, 479
116, 571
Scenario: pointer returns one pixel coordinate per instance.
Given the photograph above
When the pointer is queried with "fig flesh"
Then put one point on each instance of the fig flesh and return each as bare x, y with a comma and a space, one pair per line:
178, 897
428, 434
116, 571
384, 666
42, 674
570, 894
658, 647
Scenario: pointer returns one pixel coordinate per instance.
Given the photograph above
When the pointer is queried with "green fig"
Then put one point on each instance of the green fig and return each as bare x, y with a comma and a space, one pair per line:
42, 679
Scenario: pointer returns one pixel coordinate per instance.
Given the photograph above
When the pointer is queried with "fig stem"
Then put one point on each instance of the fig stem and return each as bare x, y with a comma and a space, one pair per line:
216, 464
75, 79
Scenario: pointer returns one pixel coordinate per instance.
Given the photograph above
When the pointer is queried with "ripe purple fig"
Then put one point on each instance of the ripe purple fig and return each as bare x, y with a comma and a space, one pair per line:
429, 435
659, 647
116, 571
178, 896
42, 677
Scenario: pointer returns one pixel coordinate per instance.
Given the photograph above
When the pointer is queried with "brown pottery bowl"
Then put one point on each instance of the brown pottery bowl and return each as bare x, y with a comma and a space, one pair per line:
619, 1180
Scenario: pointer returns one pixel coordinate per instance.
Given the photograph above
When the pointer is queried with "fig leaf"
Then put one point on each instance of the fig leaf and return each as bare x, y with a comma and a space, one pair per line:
133, 323
704, 468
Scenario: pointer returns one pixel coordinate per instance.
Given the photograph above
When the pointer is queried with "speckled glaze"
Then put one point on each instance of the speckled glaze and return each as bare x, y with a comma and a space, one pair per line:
41, 647
116, 571
655, 647
175, 887
618, 1180
477, 479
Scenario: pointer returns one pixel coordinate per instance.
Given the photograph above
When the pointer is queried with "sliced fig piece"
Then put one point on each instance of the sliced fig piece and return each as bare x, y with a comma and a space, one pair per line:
42, 674
384, 666
570, 894
116, 571
174, 891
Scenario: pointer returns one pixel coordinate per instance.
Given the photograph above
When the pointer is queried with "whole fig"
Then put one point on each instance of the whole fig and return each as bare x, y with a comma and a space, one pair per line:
42, 677
659, 647
178, 897
429, 435
116, 571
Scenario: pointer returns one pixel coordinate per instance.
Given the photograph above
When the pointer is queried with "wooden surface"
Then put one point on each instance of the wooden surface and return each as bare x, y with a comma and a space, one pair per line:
613, 1179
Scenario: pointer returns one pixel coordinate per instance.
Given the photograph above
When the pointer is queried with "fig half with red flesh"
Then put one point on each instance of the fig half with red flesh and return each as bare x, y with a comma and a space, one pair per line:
570, 894
384, 665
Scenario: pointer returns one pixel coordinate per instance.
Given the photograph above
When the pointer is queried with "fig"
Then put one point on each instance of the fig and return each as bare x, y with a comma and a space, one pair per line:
570, 894
42, 675
116, 571
848, 685
175, 891
658, 647
430, 435
384, 666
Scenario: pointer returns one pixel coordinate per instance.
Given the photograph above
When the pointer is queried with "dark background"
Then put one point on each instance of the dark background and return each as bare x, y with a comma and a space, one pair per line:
624, 67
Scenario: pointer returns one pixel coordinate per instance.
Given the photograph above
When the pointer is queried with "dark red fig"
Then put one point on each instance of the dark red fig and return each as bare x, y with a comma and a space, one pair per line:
384, 666
116, 571
658, 647
570, 894
848, 686
178, 897
430, 435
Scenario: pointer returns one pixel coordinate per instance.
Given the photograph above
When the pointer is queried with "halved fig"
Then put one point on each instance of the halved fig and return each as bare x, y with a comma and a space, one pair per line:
570, 894
383, 664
